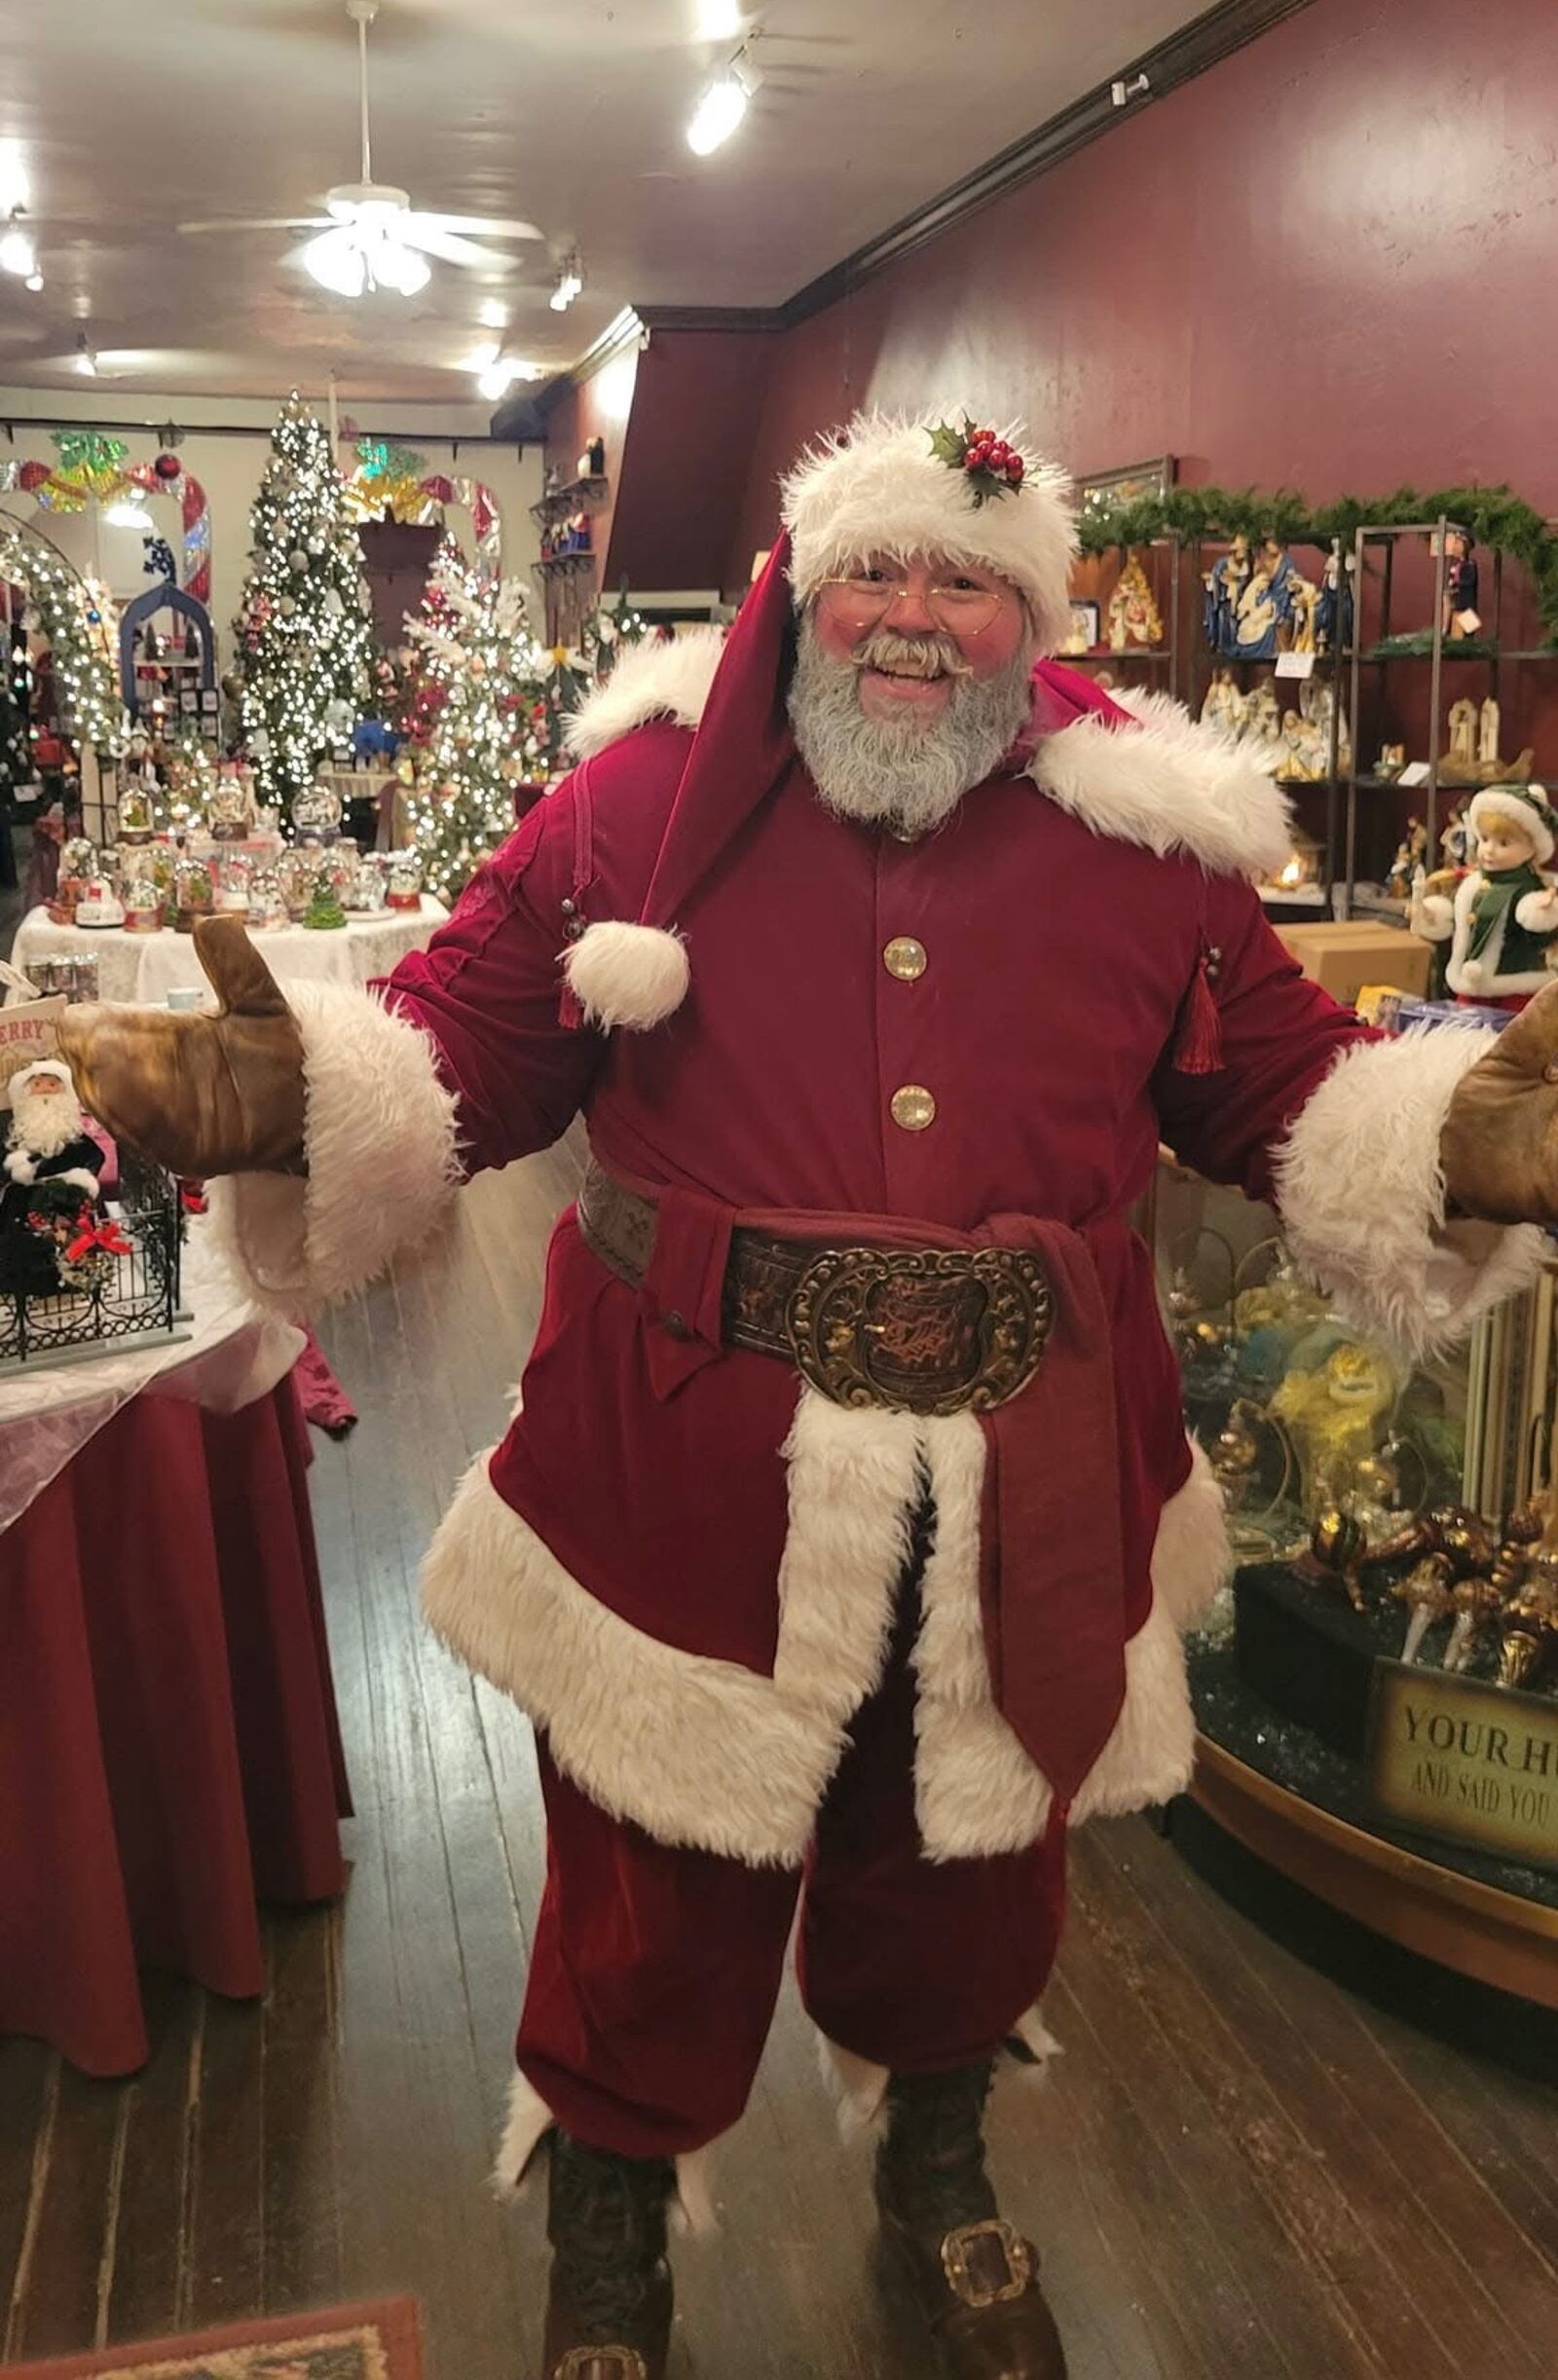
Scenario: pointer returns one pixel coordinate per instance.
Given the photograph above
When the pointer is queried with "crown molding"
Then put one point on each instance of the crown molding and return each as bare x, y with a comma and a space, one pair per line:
1191, 52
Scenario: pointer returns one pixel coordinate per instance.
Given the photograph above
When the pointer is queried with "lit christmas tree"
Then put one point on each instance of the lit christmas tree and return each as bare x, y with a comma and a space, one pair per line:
302, 633
473, 717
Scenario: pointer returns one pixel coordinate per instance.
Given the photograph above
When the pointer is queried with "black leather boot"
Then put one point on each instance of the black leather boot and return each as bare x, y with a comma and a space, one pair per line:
609, 2313
975, 2279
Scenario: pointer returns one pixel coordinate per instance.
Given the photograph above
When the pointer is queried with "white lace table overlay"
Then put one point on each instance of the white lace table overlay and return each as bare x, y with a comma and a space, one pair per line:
233, 1355
147, 967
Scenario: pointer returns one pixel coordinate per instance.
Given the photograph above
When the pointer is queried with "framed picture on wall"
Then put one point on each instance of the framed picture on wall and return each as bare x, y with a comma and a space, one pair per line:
1086, 628
1127, 485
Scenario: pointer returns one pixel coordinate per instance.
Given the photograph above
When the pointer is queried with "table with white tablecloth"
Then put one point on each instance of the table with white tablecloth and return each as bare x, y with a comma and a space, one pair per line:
147, 967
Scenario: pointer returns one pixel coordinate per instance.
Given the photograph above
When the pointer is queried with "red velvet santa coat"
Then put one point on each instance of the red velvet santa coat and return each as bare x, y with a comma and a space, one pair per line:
681, 1561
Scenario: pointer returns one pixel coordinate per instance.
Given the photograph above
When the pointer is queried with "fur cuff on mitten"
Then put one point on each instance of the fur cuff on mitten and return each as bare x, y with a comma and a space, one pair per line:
21, 1167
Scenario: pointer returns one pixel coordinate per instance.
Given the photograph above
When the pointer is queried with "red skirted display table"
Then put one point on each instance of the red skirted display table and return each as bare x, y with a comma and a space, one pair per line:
168, 1749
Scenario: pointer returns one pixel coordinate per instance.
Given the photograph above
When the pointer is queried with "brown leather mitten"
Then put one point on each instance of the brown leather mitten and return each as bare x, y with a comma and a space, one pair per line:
198, 1094
1499, 1142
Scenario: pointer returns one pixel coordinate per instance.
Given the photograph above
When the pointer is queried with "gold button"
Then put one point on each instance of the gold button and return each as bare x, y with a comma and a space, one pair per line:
905, 958
914, 1107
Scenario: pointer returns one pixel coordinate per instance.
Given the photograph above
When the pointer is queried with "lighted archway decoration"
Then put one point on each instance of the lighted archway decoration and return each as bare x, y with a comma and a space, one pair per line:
393, 483
76, 616
93, 467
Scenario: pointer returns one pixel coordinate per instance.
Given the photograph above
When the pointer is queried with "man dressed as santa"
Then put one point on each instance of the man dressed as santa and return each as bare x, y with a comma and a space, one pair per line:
842, 1548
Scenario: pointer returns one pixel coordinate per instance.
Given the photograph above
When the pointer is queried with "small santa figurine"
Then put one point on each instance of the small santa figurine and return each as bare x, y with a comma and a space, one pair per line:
1502, 919
49, 1173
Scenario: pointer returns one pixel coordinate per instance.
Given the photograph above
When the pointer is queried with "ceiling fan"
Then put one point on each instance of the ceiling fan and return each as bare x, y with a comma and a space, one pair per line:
370, 236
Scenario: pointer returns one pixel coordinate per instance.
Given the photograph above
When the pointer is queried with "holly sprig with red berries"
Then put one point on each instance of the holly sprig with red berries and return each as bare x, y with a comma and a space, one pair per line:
991, 466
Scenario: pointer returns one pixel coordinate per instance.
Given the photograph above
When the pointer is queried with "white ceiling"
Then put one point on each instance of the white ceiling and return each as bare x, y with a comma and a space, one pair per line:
130, 115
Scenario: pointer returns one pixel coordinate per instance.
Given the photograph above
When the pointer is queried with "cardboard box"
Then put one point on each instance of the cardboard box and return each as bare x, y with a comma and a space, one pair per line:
1342, 958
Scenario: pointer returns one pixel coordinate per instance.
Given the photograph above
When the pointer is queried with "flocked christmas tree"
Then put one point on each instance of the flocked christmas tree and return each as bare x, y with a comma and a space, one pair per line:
473, 718
303, 633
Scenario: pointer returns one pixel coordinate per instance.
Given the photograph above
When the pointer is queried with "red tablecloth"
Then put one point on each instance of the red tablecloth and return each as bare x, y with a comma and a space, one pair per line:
168, 1745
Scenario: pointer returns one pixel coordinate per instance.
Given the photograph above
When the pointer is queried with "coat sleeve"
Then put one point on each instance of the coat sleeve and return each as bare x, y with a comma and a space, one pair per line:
1339, 1127
464, 1059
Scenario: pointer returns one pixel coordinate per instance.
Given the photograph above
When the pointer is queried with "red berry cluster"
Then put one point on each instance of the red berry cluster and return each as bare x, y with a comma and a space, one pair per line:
988, 453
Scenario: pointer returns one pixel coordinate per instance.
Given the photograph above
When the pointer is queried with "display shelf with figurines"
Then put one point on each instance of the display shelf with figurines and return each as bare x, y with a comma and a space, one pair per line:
1437, 702
1266, 669
1125, 609
1394, 1529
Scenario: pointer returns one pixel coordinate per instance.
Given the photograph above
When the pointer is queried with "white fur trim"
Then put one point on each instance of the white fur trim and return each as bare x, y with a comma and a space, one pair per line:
1362, 1191
529, 2122
977, 1792
635, 975
21, 1167
650, 682
80, 1178
694, 1750
380, 1139
1477, 975
1514, 801
877, 488
1538, 912
858, 2086
1170, 785
704, 1752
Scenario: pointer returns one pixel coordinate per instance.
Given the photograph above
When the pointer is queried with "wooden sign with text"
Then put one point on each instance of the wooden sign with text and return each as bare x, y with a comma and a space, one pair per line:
1477, 1763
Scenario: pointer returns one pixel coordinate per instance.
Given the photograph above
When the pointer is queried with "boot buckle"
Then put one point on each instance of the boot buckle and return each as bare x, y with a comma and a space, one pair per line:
980, 2290
602, 2364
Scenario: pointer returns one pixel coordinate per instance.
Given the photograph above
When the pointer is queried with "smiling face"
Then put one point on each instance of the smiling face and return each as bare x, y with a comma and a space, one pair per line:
1502, 843
912, 629
911, 685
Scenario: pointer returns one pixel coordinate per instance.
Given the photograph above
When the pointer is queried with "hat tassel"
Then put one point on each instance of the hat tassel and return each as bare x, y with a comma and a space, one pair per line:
622, 974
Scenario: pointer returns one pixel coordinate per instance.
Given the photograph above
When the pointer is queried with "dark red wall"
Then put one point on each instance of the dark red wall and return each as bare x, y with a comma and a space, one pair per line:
1329, 262
686, 457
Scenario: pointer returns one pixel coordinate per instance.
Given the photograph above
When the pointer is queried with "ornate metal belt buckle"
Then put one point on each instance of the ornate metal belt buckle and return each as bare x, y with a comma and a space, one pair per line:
602, 2363
920, 1331
961, 2280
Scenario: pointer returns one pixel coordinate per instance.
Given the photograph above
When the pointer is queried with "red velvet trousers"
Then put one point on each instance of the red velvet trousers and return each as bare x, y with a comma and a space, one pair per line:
655, 1970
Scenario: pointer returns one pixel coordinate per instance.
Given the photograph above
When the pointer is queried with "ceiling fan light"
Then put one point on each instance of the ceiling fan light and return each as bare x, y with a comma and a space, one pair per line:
337, 263
718, 114
391, 266
35, 280
16, 253
496, 379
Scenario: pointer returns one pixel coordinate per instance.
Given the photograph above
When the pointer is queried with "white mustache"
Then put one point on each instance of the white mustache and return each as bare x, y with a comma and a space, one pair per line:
924, 656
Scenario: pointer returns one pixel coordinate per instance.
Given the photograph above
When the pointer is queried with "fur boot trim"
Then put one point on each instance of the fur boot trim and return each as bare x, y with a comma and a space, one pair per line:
383, 1163
530, 2121
1361, 1192
630, 974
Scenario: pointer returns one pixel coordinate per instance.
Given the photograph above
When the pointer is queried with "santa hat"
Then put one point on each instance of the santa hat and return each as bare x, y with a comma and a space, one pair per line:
19, 1084
635, 973
884, 486
887, 485
1527, 806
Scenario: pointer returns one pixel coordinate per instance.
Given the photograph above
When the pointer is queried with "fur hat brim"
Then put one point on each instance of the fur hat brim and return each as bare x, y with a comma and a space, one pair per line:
879, 488
1525, 804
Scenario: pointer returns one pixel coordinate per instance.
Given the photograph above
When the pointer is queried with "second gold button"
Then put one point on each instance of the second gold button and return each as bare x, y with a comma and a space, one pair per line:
905, 958
914, 1107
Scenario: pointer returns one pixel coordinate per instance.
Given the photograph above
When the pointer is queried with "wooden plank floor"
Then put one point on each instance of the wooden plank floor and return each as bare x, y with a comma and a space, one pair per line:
1236, 2170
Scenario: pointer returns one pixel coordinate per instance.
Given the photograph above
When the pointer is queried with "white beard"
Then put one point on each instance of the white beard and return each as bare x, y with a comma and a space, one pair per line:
44, 1126
906, 774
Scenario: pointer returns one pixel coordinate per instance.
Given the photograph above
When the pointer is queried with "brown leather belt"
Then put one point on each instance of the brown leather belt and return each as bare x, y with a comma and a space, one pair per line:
931, 1330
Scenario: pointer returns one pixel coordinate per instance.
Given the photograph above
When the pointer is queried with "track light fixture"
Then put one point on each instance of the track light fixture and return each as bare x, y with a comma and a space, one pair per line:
724, 104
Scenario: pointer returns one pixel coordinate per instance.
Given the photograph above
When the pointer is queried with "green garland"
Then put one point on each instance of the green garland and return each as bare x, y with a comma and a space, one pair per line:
1494, 516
